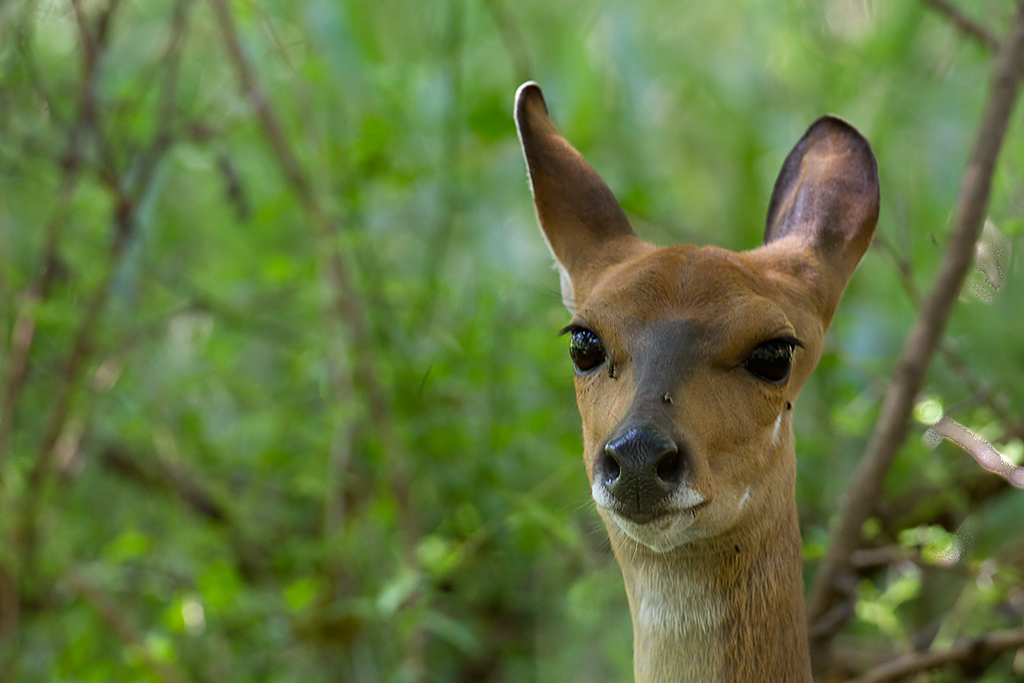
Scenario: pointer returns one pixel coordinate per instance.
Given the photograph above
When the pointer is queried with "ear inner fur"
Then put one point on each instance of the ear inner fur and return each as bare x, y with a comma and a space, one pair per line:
827, 194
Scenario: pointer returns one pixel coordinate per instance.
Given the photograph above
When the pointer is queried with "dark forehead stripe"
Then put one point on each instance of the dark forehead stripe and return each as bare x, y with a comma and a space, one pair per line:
668, 352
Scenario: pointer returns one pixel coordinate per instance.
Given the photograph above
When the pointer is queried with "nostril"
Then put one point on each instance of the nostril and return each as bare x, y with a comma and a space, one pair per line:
670, 468
610, 469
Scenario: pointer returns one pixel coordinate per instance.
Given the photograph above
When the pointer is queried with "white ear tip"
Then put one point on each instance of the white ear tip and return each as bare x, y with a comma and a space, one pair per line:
527, 97
525, 86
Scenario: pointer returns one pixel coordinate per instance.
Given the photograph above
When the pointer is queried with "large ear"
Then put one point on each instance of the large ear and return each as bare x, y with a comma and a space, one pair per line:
827, 194
583, 224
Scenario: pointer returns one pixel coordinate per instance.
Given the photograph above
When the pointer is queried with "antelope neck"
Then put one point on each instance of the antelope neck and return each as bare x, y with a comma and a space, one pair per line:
735, 613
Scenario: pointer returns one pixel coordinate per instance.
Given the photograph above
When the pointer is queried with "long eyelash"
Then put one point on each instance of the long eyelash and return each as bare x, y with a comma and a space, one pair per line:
790, 340
572, 327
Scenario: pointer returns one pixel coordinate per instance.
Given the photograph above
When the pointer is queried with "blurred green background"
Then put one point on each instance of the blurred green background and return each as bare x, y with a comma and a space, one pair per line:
283, 397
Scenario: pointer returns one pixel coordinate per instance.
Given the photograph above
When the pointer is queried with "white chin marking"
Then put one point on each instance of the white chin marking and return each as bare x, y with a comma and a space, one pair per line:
660, 535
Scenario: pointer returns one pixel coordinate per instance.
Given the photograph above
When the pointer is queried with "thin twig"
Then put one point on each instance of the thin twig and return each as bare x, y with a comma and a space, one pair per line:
448, 214
980, 393
342, 306
963, 651
893, 424
121, 625
954, 360
160, 474
979, 449
344, 303
125, 221
342, 428
963, 23
23, 331
9, 607
918, 507
344, 309
983, 394
512, 36
187, 487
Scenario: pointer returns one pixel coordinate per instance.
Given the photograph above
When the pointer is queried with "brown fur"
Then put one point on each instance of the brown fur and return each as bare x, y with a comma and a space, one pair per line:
723, 601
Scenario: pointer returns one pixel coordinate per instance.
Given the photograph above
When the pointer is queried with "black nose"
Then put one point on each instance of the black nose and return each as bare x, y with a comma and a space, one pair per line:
640, 468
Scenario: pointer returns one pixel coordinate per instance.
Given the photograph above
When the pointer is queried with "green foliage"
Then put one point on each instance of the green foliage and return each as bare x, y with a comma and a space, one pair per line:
210, 472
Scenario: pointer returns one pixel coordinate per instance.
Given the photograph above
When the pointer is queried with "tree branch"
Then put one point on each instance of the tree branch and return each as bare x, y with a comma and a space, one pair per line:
23, 331
188, 488
965, 25
981, 393
979, 449
126, 200
174, 477
9, 607
122, 627
344, 303
963, 651
344, 307
892, 426
512, 36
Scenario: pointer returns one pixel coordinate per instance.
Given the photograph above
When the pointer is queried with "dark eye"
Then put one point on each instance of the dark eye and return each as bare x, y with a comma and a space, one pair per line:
773, 359
586, 350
